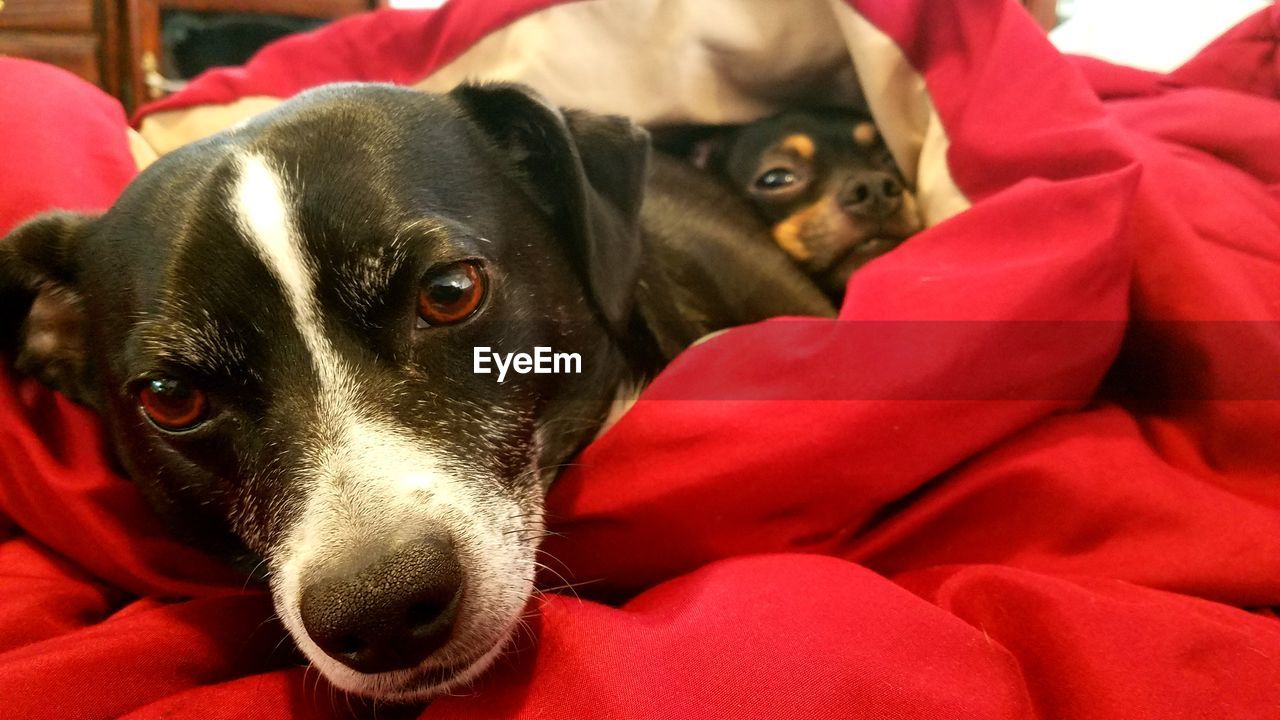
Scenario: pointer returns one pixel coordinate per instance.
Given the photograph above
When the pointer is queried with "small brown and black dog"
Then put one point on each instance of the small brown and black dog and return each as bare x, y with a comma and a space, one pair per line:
827, 185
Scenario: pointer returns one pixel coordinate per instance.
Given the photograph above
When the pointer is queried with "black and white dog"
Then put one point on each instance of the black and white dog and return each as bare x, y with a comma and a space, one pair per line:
279, 327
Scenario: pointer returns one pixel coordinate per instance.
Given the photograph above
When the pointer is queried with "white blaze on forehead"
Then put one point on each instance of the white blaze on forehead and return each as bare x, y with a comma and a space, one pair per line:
357, 438
356, 449
262, 211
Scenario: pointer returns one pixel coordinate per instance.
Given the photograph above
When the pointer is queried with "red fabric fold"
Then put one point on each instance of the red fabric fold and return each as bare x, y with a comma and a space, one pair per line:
64, 144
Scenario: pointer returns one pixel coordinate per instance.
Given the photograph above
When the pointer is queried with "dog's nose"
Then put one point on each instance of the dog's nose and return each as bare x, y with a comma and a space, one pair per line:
872, 194
389, 613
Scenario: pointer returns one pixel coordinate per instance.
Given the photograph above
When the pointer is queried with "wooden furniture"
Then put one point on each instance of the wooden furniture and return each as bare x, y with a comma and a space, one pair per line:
143, 79
80, 35
1044, 11
116, 44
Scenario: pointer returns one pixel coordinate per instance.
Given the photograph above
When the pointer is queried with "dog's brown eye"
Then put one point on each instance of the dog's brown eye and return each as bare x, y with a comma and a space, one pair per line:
451, 294
775, 179
172, 404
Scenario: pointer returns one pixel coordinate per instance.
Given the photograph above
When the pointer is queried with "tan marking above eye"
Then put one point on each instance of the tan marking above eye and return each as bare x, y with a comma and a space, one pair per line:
799, 144
865, 133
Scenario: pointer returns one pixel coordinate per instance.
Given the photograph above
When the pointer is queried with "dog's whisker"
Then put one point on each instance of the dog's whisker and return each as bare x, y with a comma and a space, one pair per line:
351, 711
252, 572
572, 587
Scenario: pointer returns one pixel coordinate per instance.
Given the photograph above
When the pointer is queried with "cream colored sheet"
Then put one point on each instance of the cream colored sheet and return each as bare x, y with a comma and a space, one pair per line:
683, 61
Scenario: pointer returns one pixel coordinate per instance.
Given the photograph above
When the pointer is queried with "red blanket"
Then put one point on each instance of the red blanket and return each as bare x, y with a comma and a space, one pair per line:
1032, 472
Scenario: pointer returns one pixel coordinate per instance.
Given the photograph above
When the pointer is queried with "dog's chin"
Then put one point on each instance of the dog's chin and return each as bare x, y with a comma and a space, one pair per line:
839, 245
413, 685
855, 252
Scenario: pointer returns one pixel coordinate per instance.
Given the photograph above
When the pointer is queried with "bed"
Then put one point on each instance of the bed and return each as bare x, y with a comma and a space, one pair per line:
1031, 471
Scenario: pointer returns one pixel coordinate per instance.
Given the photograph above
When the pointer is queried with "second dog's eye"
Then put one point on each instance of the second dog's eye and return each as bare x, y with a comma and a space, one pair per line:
451, 293
173, 405
775, 179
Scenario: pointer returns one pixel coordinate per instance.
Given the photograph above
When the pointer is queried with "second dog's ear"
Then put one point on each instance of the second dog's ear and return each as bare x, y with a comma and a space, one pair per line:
586, 171
41, 310
709, 153
703, 146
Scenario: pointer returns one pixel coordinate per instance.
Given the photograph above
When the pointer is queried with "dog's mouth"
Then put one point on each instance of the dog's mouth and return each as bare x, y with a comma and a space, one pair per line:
859, 247
880, 243
865, 249
868, 241
424, 683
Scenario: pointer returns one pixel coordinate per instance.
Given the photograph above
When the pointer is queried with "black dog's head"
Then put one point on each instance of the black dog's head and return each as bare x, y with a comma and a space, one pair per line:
828, 185
278, 325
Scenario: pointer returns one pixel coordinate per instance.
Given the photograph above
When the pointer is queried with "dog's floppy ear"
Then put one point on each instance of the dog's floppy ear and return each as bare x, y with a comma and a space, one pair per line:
711, 153
41, 311
586, 171
704, 146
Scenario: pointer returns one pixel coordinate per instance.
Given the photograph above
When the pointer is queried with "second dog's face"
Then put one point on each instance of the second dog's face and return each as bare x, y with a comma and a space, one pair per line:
828, 185
277, 325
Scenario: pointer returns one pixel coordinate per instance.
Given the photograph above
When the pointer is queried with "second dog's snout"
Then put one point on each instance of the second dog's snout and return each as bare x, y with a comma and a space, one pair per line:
388, 613
872, 194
